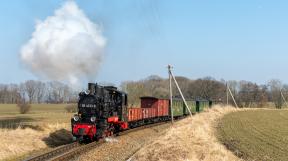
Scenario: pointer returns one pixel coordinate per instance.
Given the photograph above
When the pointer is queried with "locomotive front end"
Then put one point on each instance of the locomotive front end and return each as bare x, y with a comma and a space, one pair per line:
84, 124
101, 113
83, 129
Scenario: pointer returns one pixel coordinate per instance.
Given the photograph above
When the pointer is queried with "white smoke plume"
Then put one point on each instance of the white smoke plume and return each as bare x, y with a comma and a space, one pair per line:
65, 47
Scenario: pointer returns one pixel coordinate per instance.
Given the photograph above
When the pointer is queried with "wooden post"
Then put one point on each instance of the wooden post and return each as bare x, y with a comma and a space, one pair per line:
283, 97
232, 96
170, 91
227, 94
180, 92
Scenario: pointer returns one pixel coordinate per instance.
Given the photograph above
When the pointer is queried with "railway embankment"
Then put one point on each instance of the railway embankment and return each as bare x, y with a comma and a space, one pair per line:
192, 138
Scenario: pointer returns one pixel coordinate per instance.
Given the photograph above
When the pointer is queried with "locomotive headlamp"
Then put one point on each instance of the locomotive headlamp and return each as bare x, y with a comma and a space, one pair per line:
76, 118
93, 119
87, 91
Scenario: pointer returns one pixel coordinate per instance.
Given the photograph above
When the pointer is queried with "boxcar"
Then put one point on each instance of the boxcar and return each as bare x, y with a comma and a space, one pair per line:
192, 106
161, 106
202, 104
151, 107
177, 106
134, 114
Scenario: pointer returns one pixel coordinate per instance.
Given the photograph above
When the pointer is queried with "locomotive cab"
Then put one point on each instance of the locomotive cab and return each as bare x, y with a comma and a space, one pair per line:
101, 112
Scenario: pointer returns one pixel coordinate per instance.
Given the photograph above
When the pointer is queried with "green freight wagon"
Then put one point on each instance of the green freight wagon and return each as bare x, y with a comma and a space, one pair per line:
196, 106
177, 106
202, 104
192, 106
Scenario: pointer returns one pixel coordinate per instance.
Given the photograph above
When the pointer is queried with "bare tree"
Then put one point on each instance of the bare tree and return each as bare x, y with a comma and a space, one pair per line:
23, 106
275, 91
22, 92
248, 93
263, 96
58, 92
40, 91
3, 93
32, 91
14, 95
207, 88
67, 93
30, 88
53, 92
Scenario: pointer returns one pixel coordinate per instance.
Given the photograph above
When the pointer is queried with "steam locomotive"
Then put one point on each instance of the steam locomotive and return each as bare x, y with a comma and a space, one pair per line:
102, 112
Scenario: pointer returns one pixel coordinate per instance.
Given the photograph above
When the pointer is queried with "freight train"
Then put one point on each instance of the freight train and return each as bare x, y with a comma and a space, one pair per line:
103, 111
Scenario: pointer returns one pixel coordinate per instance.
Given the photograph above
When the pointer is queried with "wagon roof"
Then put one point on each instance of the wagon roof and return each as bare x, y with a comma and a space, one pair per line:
151, 97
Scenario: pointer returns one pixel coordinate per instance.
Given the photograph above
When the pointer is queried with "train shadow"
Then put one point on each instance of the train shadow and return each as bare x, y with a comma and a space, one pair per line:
21, 122
57, 138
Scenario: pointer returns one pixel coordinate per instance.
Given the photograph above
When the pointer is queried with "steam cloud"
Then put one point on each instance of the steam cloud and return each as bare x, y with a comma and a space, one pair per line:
65, 46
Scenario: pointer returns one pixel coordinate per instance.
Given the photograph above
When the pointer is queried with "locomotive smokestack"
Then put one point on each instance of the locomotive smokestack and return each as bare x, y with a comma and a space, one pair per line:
91, 88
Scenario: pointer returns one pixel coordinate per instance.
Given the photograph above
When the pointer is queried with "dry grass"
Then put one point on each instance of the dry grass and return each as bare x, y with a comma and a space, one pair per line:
45, 126
190, 139
17, 142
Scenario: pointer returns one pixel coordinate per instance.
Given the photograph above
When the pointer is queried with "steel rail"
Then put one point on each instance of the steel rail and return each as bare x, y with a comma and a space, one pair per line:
54, 152
66, 152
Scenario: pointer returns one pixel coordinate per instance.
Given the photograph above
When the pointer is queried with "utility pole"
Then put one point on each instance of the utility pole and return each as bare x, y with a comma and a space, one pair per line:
283, 97
171, 75
227, 94
231, 96
170, 91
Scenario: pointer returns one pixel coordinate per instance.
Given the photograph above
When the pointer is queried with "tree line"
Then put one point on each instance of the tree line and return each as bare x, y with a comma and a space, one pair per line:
246, 93
32, 91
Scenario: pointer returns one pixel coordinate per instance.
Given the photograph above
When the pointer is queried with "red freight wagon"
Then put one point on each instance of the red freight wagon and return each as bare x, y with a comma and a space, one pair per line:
161, 105
145, 113
148, 113
152, 112
134, 114
151, 107
149, 102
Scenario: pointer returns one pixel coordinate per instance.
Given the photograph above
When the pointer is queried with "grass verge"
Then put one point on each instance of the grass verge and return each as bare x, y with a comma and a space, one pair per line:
190, 139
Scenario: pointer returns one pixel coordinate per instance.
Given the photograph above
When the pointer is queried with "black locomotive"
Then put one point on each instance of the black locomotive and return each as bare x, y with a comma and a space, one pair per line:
102, 111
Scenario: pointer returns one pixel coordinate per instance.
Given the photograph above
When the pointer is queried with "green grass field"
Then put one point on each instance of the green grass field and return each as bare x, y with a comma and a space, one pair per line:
256, 134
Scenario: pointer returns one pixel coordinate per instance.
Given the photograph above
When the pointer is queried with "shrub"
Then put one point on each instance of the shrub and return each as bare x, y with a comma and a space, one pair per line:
72, 108
24, 107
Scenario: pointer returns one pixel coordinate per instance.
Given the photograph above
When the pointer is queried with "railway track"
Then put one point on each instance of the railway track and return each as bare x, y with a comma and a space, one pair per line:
54, 152
70, 151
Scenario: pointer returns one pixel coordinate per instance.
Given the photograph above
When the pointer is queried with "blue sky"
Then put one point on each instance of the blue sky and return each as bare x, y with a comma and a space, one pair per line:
231, 40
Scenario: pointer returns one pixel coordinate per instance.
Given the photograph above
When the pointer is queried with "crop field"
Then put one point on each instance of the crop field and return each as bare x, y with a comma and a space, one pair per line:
256, 134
